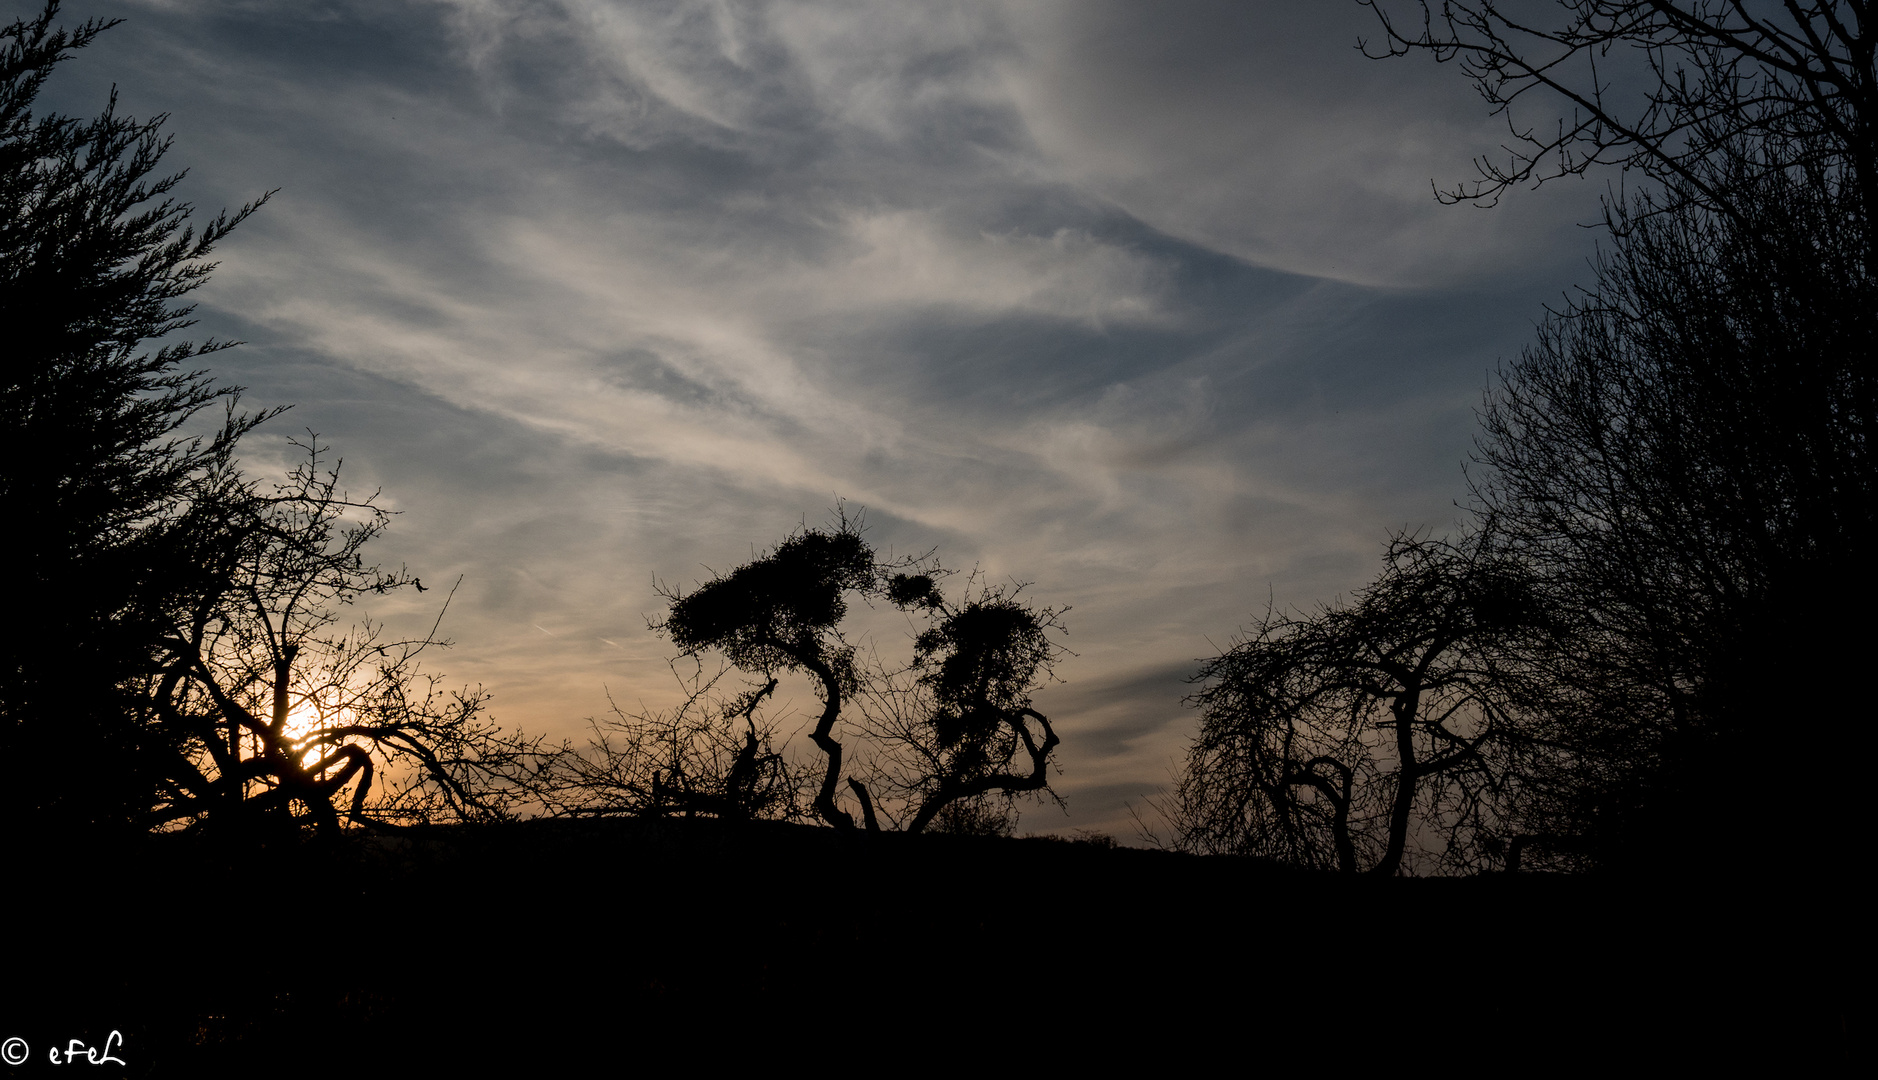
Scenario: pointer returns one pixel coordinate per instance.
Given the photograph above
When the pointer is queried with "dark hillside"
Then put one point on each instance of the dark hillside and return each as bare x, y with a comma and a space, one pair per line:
570, 944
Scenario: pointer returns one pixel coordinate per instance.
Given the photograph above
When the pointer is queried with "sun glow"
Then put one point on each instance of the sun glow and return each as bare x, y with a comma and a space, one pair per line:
302, 720
305, 721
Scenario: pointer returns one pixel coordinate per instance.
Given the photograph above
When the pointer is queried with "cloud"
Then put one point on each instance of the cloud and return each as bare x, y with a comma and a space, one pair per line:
906, 259
1151, 310
1261, 131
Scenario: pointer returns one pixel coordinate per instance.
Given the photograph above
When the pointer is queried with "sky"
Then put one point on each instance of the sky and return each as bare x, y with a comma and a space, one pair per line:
1149, 306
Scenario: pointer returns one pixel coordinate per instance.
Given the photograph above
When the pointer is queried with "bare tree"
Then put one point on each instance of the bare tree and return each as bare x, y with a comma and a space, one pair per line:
1372, 736
1685, 455
1677, 502
714, 755
1665, 86
286, 714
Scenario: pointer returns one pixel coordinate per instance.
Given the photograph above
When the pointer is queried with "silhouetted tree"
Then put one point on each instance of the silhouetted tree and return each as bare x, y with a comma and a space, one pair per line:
1665, 86
176, 660
1372, 735
1685, 454
943, 731
782, 613
954, 731
289, 716
112, 512
711, 756
1682, 457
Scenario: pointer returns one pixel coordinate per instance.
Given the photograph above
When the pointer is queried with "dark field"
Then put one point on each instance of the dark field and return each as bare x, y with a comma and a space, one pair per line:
561, 948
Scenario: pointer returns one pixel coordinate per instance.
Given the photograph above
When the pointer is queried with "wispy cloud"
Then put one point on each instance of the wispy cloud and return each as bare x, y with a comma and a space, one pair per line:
1145, 304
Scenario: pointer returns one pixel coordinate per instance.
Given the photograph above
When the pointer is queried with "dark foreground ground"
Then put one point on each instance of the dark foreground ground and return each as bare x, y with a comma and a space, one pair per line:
617, 948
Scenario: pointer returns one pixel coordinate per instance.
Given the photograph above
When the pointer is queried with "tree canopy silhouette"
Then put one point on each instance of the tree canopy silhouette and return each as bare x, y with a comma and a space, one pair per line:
1685, 454
1378, 735
782, 613
110, 505
943, 731
1678, 469
957, 729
